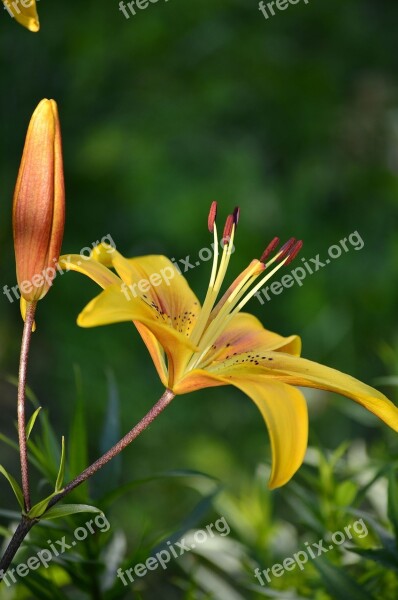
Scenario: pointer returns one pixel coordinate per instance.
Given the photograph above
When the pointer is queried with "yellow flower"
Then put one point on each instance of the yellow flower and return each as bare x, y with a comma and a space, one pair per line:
39, 204
195, 347
24, 12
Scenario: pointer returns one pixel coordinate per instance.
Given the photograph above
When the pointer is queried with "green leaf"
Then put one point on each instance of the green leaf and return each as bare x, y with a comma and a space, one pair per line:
393, 500
109, 476
56, 512
32, 422
379, 555
41, 460
77, 447
61, 472
345, 493
28, 391
339, 584
9, 442
4, 532
15, 487
110, 497
43, 587
40, 508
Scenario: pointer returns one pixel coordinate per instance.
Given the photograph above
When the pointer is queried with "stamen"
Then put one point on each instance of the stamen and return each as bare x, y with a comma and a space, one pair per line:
241, 296
215, 258
294, 251
236, 215
285, 248
241, 282
213, 319
215, 286
270, 248
229, 223
212, 216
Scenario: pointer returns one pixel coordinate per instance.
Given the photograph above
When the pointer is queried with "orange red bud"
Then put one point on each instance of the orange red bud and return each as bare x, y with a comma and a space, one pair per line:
39, 204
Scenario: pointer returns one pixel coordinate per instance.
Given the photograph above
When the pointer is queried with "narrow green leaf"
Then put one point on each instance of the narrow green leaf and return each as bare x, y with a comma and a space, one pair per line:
56, 512
32, 422
30, 395
78, 447
110, 497
39, 509
9, 442
4, 532
339, 584
109, 476
42, 462
378, 555
393, 500
43, 587
15, 486
61, 472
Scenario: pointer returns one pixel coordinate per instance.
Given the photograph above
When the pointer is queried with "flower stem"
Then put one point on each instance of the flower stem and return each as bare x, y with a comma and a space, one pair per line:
26, 524
23, 367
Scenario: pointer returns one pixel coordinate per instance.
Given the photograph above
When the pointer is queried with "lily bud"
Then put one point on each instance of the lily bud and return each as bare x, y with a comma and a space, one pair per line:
24, 13
39, 204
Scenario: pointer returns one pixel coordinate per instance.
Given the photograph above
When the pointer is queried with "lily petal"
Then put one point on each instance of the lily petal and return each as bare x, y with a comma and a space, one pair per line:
27, 17
284, 410
155, 350
246, 333
92, 268
306, 373
112, 306
155, 279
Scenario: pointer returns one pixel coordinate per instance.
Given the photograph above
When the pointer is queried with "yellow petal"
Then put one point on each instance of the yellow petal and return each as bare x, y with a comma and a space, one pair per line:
301, 372
284, 410
155, 279
26, 16
114, 306
155, 350
246, 333
285, 413
92, 268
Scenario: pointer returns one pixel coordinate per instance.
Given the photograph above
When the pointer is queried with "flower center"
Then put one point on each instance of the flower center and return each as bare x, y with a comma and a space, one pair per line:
214, 318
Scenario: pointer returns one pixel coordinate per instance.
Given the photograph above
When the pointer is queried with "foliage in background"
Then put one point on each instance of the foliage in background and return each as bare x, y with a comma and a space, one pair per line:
295, 119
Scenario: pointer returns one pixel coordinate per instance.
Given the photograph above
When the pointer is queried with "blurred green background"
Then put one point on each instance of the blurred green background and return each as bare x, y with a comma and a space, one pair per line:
294, 118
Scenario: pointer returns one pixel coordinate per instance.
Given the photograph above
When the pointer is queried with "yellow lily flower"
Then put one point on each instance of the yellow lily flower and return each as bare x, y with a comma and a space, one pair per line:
216, 344
24, 12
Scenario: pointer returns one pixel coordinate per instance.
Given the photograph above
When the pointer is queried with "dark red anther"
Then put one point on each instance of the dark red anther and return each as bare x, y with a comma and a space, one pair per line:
212, 216
294, 251
229, 223
286, 248
271, 246
236, 215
